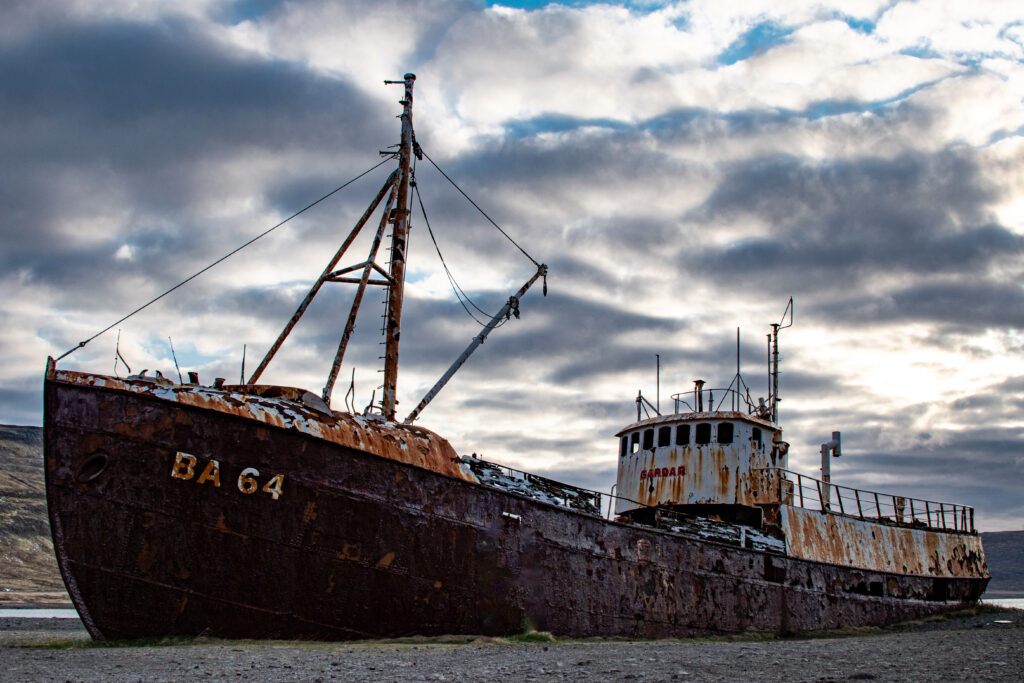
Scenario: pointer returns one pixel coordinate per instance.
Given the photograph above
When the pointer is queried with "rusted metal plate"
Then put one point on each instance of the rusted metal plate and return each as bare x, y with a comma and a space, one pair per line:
354, 545
885, 547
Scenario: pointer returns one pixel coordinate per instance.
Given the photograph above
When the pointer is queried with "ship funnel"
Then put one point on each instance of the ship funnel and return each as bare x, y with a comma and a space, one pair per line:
698, 394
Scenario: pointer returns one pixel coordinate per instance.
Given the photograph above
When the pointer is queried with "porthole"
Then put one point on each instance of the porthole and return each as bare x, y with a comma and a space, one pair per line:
92, 467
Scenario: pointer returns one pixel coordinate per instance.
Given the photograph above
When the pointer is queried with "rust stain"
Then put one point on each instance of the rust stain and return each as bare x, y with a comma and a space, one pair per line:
309, 514
385, 562
349, 551
691, 473
837, 539
147, 558
222, 527
91, 443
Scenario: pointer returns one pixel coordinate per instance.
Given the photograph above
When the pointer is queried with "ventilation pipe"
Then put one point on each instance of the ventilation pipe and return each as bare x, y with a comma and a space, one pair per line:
828, 448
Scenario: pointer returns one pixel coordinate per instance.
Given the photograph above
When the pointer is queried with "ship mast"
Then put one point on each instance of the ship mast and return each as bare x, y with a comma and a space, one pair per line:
396, 213
399, 240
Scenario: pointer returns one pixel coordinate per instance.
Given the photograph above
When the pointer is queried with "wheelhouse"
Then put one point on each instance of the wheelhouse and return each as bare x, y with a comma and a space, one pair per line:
696, 460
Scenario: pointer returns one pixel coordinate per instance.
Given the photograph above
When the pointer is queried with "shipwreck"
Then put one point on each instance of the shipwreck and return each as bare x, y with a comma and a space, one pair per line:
258, 511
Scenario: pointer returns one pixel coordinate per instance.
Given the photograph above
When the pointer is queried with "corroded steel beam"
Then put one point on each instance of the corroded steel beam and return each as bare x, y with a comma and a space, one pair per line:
511, 305
364, 279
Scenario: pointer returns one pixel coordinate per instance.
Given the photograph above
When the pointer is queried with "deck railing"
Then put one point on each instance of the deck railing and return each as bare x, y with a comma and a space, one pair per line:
712, 400
814, 494
787, 486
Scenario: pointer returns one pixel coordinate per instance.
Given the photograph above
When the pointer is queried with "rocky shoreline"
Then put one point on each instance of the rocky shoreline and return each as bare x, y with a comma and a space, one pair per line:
983, 644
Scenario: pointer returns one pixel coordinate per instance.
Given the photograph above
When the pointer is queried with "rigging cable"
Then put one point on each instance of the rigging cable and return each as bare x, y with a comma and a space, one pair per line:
460, 293
222, 258
482, 212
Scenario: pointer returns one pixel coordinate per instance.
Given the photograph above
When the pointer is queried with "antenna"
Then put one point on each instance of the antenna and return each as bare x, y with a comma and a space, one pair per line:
118, 356
657, 383
350, 395
171, 344
736, 396
773, 360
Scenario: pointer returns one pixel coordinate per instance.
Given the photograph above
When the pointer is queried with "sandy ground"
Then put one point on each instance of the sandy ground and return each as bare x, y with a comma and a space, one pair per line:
977, 647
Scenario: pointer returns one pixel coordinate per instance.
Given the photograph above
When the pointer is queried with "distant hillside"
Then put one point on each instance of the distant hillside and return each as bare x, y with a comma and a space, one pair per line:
27, 563
1004, 551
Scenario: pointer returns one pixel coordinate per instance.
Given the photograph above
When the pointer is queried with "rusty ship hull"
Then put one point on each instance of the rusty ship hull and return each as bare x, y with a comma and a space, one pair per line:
356, 545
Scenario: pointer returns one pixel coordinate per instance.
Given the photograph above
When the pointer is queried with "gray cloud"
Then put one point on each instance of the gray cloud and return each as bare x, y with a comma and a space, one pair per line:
116, 118
960, 306
836, 223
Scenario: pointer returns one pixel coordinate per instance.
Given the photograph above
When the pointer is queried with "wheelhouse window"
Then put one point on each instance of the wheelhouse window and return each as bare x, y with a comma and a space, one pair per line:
634, 442
755, 436
664, 436
648, 439
703, 433
623, 446
725, 431
683, 435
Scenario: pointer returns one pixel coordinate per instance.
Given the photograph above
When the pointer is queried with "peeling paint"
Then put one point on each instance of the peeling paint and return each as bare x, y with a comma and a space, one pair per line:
289, 408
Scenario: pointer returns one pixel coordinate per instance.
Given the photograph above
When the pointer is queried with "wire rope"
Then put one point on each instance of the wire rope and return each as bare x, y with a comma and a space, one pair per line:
460, 293
224, 258
482, 212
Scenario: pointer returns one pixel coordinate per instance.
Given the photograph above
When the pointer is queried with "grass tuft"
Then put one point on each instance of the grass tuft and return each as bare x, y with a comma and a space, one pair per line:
531, 636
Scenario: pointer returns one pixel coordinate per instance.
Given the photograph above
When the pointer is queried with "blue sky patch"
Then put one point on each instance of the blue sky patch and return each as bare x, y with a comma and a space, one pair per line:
921, 52
866, 26
757, 40
824, 108
556, 123
540, 4
246, 10
1003, 134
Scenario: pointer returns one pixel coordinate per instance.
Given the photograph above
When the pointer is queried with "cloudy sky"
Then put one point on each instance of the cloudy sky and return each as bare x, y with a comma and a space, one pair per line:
682, 167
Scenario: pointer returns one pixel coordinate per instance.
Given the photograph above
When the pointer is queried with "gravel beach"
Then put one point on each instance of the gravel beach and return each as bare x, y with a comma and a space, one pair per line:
985, 646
